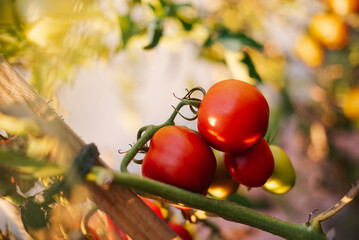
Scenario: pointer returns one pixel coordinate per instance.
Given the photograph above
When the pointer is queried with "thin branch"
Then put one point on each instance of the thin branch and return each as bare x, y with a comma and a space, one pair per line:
339, 205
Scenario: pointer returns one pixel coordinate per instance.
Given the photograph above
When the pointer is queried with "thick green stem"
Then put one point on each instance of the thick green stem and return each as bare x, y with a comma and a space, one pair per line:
222, 208
145, 134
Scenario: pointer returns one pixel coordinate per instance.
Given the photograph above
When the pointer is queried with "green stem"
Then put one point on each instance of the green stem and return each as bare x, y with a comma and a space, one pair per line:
144, 135
222, 208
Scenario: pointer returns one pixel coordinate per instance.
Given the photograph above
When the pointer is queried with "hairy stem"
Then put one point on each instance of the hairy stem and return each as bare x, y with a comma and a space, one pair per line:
221, 208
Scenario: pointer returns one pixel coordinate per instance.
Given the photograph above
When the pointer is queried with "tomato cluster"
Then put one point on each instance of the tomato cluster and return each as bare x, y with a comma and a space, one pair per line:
233, 119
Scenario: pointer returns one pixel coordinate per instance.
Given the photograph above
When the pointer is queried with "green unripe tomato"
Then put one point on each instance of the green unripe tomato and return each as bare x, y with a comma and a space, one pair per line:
283, 176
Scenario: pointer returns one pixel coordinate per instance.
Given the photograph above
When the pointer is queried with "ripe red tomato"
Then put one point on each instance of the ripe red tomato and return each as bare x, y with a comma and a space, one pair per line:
253, 167
233, 116
180, 157
180, 230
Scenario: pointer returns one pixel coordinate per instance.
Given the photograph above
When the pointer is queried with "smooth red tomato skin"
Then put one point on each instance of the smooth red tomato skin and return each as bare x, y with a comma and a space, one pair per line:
178, 156
233, 116
180, 230
253, 167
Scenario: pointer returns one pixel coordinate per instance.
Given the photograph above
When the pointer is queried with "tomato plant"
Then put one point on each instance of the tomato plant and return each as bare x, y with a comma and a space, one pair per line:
233, 116
180, 157
253, 167
283, 176
223, 184
180, 230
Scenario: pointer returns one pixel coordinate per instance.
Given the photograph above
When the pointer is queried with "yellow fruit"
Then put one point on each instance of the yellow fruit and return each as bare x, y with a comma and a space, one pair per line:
309, 51
223, 184
351, 104
329, 30
283, 176
343, 7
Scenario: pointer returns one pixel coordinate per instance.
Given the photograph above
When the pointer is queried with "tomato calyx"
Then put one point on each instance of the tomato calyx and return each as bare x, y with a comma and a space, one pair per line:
145, 133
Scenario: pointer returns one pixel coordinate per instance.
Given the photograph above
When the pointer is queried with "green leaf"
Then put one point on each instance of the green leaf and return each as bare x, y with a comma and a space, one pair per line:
186, 25
234, 41
152, 7
209, 41
155, 30
129, 28
25, 165
252, 70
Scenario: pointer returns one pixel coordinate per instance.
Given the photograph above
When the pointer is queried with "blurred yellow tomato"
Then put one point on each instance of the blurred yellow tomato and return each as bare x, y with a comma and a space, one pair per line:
329, 29
223, 184
343, 7
309, 51
351, 104
283, 177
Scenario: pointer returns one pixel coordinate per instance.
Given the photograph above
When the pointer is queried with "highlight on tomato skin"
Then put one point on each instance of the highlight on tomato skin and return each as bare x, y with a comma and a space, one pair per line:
283, 177
180, 157
253, 167
233, 116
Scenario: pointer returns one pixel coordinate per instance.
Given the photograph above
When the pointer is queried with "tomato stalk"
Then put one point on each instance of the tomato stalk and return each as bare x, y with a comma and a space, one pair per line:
223, 208
145, 134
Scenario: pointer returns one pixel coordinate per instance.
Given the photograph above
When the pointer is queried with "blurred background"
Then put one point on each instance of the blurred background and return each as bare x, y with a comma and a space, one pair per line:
110, 67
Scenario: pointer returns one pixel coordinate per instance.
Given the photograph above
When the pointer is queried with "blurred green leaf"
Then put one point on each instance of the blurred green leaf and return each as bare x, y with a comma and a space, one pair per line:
186, 25
26, 165
128, 29
234, 41
252, 70
155, 31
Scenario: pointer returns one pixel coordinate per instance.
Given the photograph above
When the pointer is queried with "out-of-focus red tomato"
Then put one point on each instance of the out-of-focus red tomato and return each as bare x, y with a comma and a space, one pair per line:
180, 230
153, 207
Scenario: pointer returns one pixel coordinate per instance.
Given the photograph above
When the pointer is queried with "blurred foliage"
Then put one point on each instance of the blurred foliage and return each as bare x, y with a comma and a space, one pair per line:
52, 39
303, 55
